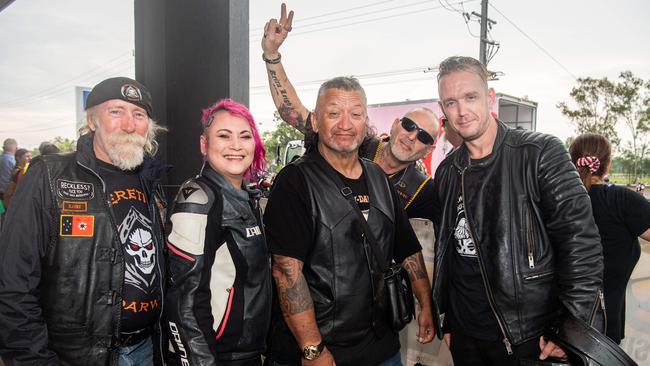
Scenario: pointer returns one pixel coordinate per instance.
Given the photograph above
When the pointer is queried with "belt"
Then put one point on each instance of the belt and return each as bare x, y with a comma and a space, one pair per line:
130, 339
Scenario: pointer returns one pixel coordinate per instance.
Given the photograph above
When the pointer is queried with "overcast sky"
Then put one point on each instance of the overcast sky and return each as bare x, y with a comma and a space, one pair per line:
49, 47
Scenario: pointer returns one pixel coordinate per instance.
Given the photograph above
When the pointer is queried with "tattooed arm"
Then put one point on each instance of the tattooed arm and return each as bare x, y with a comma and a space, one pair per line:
297, 306
417, 272
284, 95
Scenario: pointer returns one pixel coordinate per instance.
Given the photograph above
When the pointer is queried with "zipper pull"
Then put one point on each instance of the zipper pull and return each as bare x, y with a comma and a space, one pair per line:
506, 342
602, 299
531, 260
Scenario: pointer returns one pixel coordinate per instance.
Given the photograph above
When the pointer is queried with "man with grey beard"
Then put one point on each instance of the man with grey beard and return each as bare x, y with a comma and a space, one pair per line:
81, 270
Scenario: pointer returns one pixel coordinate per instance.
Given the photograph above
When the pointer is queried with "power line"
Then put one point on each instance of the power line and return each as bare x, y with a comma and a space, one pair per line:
64, 84
534, 42
70, 122
300, 21
411, 70
64, 87
362, 14
391, 16
307, 87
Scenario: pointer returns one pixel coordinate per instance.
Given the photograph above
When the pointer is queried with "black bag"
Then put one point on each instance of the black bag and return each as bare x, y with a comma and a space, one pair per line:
400, 297
399, 294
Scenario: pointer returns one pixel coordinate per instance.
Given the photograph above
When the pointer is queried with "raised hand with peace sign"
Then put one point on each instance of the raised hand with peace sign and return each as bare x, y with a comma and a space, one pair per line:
275, 32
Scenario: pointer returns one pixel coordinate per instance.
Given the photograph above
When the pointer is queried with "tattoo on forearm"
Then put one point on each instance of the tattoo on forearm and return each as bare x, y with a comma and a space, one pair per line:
293, 291
415, 267
286, 109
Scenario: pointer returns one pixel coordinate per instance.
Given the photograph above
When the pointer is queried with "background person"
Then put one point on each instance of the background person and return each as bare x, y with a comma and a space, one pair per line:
621, 215
7, 163
219, 299
47, 148
23, 156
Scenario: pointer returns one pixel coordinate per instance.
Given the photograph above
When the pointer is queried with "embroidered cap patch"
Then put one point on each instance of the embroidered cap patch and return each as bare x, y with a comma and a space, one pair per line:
131, 92
77, 225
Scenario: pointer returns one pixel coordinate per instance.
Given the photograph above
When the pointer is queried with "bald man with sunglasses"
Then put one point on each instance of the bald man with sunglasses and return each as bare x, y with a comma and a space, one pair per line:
411, 137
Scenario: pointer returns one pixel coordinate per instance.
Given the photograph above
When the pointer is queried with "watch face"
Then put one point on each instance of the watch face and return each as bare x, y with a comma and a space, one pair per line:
310, 352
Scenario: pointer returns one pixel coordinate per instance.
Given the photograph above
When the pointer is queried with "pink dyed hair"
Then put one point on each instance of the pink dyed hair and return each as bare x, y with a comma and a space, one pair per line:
258, 166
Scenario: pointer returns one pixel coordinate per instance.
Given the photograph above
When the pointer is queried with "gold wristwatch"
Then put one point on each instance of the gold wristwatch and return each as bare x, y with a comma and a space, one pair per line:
311, 352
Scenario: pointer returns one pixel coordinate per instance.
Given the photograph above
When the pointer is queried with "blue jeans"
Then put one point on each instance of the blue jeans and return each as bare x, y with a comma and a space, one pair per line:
394, 360
140, 354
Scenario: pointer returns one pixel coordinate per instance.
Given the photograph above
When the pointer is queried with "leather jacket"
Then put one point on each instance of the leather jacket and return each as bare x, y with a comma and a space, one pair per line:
220, 287
60, 292
538, 247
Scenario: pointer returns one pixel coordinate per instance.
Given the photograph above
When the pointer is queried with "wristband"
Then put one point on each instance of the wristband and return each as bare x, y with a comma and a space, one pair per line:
272, 62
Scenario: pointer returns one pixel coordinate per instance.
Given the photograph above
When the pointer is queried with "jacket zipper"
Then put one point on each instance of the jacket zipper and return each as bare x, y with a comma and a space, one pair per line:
505, 340
538, 275
161, 280
529, 235
107, 203
599, 301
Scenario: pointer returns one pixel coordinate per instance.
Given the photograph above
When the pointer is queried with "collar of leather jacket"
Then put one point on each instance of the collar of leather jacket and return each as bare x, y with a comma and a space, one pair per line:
461, 157
245, 194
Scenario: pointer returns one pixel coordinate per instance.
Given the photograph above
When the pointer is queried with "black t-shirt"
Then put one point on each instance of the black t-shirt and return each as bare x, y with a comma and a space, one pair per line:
621, 216
135, 231
469, 310
290, 203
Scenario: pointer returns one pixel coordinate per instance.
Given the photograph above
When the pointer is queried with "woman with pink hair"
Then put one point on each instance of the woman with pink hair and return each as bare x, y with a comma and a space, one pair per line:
218, 304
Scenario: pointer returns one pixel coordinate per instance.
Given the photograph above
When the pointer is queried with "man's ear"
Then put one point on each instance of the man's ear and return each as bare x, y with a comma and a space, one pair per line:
89, 122
492, 97
395, 122
314, 122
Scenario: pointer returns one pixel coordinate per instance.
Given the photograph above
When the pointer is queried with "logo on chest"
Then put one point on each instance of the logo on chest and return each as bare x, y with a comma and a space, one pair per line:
74, 190
253, 231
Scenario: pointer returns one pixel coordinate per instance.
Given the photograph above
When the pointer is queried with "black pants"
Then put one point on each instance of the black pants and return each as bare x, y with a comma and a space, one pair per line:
469, 351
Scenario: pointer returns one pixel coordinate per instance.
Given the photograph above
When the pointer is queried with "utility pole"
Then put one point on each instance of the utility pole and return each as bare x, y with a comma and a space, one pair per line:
484, 40
486, 23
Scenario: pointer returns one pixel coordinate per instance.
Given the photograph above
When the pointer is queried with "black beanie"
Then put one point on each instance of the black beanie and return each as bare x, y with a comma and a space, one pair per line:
122, 88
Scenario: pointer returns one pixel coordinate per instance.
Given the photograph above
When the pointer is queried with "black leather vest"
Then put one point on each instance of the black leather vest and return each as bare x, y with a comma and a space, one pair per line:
347, 293
83, 276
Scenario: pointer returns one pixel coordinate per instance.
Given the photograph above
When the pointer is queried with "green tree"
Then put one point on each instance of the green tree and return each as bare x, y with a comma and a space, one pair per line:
65, 144
279, 137
631, 105
593, 113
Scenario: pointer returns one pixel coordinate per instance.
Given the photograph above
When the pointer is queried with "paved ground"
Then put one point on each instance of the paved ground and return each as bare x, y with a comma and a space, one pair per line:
637, 322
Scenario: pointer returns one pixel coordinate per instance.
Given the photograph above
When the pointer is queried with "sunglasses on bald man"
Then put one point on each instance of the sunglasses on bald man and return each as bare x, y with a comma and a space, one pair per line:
422, 135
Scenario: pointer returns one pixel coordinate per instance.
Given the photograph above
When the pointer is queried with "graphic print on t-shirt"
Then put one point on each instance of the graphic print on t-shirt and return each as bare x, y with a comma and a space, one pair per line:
136, 237
464, 243
135, 233
363, 200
